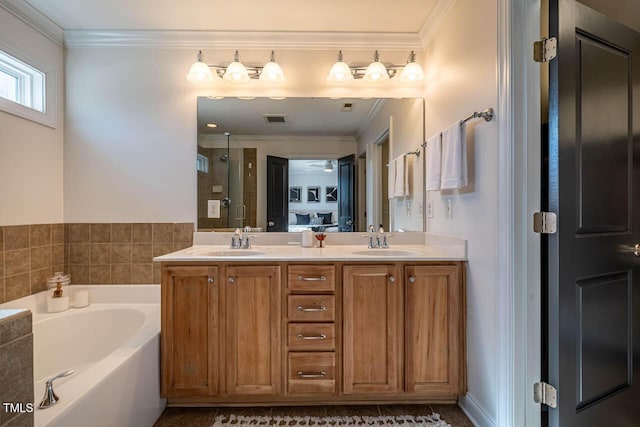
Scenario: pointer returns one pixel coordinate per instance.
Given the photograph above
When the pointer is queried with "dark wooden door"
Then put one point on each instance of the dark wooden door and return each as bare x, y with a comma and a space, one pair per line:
346, 192
277, 193
594, 187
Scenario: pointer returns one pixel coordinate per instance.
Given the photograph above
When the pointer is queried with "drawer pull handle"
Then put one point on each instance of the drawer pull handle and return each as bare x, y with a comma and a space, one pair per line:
321, 308
312, 337
320, 374
312, 278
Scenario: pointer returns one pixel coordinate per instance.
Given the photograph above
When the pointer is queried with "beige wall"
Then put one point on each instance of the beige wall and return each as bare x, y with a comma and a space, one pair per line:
461, 65
31, 168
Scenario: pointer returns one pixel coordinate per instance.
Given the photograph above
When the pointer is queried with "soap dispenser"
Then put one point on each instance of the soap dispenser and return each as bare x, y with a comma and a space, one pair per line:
58, 292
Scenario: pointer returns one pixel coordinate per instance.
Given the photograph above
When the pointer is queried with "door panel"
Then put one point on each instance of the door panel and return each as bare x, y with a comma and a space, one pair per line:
594, 183
347, 191
277, 193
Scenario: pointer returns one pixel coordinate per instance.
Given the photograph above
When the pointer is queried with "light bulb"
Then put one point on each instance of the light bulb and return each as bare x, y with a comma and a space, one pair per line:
272, 73
412, 72
236, 72
340, 72
200, 72
376, 72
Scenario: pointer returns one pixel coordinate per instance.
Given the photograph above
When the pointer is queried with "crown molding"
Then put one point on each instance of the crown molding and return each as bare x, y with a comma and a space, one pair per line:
240, 39
34, 19
277, 138
434, 21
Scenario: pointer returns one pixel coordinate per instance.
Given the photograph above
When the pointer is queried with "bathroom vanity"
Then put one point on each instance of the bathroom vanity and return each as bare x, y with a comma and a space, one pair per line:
290, 325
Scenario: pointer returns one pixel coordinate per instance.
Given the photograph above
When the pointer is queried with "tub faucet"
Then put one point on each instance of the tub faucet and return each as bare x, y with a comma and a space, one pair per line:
50, 398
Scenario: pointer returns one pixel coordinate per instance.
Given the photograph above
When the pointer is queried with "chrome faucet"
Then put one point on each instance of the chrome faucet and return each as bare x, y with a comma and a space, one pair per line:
238, 242
379, 239
50, 398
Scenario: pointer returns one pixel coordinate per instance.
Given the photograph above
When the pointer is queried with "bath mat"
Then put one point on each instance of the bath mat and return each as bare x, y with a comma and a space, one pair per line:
432, 420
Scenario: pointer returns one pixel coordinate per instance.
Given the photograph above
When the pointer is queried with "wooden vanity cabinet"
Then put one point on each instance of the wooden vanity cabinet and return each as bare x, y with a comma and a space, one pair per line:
189, 331
291, 333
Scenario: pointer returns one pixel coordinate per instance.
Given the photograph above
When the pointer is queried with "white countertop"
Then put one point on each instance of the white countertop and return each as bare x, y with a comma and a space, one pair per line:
434, 248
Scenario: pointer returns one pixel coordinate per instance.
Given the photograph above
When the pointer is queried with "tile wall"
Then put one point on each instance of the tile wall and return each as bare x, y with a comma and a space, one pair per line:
101, 253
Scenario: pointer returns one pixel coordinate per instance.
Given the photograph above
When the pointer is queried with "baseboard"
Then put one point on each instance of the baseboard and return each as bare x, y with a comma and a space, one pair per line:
474, 411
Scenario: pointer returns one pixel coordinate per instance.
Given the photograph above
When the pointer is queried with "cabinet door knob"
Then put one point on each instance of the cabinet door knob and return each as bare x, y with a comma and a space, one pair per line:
636, 249
210, 280
231, 280
392, 279
412, 279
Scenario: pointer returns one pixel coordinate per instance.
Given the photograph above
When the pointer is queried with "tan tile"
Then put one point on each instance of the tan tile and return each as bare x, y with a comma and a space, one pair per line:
15, 328
2, 290
57, 234
100, 274
57, 254
60, 268
141, 253
16, 237
121, 273
1, 239
141, 273
100, 233
120, 253
79, 253
181, 245
41, 258
16, 286
100, 253
16, 359
40, 235
16, 262
79, 274
162, 232
67, 256
79, 233
39, 280
120, 233
157, 273
141, 233
1, 264
183, 232
162, 248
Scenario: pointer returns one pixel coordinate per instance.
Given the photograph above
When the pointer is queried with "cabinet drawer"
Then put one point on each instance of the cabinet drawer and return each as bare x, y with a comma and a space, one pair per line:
311, 373
312, 277
312, 336
311, 308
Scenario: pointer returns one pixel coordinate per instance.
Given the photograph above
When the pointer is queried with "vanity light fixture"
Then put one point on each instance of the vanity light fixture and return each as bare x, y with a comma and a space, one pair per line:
236, 72
376, 72
328, 166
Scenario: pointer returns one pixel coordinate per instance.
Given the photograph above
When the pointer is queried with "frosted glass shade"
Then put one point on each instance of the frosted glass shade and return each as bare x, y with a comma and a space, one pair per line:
376, 72
200, 73
340, 73
236, 73
272, 73
412, 72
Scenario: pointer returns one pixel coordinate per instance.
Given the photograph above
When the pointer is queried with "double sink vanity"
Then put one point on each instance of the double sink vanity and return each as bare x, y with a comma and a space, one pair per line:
282, 324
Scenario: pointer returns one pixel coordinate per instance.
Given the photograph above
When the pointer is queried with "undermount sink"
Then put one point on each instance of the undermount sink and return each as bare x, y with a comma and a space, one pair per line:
239, 252
386, 252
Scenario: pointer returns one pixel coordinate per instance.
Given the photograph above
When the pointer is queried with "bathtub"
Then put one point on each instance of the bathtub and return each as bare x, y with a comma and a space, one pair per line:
114, 348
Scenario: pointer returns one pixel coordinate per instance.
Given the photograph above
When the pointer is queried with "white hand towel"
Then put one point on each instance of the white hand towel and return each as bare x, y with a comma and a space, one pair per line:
400, 179
391, 179
408, 175
454, 157
433, 155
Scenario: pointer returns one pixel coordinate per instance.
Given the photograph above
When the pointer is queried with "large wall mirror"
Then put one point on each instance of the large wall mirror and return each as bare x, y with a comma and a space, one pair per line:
307, 163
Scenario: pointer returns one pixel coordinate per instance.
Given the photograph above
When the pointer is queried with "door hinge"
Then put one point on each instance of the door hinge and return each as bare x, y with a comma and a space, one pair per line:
544, 222
545, 50
546, 394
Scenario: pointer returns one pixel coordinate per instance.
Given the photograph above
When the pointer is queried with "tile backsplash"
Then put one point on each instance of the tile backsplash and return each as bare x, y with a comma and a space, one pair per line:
102, 253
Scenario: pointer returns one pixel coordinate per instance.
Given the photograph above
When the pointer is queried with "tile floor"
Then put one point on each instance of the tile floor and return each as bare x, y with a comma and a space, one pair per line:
203, 417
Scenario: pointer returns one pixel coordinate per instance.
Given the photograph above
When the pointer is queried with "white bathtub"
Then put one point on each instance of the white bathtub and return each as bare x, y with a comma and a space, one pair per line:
114, 347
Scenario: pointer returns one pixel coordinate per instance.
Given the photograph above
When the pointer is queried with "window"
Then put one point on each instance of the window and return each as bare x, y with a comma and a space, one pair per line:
202, 164
21, 83
29, 85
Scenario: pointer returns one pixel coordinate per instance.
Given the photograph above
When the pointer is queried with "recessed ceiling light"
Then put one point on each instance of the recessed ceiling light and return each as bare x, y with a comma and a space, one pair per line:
246, 98
277, 98
212, 125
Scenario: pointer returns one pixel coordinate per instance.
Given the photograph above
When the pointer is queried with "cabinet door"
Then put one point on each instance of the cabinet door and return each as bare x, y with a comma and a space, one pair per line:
189, 331
434, 324
253, 330
372, 329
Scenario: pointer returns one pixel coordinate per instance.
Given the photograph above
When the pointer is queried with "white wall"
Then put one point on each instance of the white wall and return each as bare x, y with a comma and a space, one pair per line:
130, 139
31, 169
460, 64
